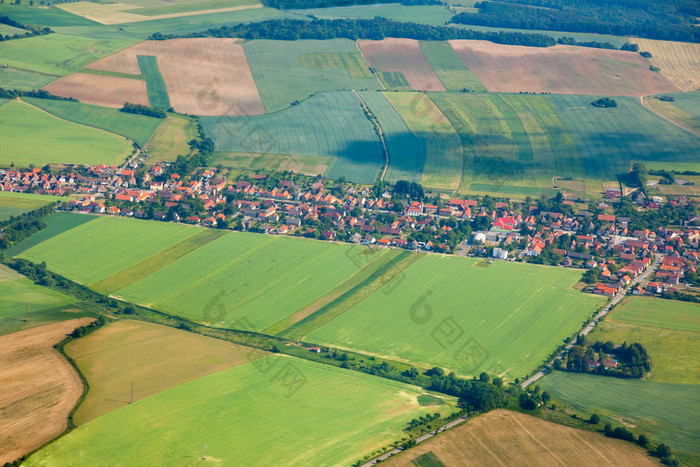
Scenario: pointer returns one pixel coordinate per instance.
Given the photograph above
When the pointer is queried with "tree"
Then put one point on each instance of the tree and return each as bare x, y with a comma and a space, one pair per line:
663, 451
484, 377
595, 419
546, 397
643, 441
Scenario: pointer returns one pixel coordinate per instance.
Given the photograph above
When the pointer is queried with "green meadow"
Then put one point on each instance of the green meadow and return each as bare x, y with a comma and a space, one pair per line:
19, 295
666, 412
138, 128
299, 80
57, 54
95, 250
31, 136
157, 92
328, 124
466, 315
668, 330
14, 204
56, 223
435, 15
245, 280
38, 16
12, 78
275, 411
406, 150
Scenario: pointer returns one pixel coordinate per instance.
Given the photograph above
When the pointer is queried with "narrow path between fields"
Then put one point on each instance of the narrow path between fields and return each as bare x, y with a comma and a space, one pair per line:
379, 131
643, 101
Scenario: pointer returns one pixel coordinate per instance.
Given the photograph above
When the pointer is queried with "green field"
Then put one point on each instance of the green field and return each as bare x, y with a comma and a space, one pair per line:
669, 330
57, 54
278, 90
31, 136
608, 139
56, 224
171, 137
452, 71
40, 16
406, 150
309, 165
351, 62
667, 412
14, 204
12, 78
155, 358
512, 316
190, 7
434, 15
688, 102
278, 411
95, 250
157, 92
443, 148
6, 30
258, 279
328, 124
137, 128
19, 294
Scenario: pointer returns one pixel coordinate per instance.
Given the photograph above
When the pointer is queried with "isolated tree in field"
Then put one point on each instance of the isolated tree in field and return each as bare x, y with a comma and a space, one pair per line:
595, 419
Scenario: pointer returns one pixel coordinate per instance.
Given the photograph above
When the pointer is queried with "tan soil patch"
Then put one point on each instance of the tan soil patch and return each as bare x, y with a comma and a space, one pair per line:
402, 55
118, 13
502, 437
38, 388
679, 61
107, 91
561, 69
204, 76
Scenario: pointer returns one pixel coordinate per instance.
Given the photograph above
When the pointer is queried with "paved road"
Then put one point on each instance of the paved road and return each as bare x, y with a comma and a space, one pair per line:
617, 299
420, 439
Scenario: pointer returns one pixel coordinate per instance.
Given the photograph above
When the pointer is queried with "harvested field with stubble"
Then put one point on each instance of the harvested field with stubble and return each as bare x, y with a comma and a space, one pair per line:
105, 91
404, 56
38, 388
503, 437
679, 61
204, 76
561, 69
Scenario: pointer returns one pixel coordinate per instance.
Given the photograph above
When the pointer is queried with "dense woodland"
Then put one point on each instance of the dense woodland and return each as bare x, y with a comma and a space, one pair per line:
376, 29
668, 20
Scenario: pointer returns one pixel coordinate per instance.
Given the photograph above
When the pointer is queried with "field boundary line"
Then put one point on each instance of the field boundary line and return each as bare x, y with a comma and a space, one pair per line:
374, 72
644, 101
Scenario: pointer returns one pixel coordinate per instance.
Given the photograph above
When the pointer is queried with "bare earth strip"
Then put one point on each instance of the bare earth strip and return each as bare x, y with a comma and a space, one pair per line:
503, 437
402, 55
38, 388
118, 13
107, 91
204, 76
561, 69
679, 61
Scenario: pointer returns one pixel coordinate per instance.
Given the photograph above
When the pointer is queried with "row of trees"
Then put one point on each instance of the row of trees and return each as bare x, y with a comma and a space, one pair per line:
668, 20
37, 93
143, 110
300, 4
377, 28
31, 30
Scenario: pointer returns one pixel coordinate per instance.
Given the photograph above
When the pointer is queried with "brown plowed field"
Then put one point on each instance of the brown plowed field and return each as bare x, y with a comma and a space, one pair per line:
107, 91
38, 388
204, 76
503, 437
561, 69
402, 55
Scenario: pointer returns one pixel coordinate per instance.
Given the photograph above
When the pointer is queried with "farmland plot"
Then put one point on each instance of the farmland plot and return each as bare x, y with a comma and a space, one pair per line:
241, 413
203, 76
453, 74
678, 61
560, 69
450, 312
328, 124
106, 91
402, 56
14, 204
443, 148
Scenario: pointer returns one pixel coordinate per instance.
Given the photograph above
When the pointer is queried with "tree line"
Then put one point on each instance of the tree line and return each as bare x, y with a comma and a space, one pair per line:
37, 93
669, 20
143, 110
376, 29
31, 30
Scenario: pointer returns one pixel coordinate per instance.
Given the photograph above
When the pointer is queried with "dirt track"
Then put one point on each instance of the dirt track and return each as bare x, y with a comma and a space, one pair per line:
38, 388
